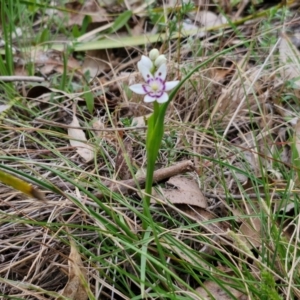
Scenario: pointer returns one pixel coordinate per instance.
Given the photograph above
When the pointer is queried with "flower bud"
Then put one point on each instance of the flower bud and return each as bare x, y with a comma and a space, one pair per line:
160, 60
154, 54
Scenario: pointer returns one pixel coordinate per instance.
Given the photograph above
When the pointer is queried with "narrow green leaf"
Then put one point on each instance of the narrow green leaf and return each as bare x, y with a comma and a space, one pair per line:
44, 36
75, 31
121, 21
89, 100
85, 23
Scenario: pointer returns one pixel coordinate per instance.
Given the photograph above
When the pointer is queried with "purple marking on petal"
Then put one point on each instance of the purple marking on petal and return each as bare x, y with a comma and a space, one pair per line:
155, 94
145, 71
161, 72
147, 88
150, 80
159, 80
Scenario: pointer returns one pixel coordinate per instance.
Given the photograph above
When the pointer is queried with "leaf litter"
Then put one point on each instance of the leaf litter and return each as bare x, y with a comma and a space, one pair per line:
76, 285
181, 190
257, 142
79, 141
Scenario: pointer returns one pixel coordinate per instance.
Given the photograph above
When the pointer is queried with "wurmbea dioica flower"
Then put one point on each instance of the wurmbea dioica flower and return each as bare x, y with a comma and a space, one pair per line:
154, 73
155, 88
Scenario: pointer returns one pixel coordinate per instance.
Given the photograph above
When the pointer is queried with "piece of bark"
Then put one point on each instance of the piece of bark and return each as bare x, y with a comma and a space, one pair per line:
125, 186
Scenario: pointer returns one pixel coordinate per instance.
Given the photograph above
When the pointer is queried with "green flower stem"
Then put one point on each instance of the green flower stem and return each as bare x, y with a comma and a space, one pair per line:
156, 130
154, 138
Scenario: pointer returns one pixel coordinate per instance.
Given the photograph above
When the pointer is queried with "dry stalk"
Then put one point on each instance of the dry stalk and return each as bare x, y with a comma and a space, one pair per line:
125, 186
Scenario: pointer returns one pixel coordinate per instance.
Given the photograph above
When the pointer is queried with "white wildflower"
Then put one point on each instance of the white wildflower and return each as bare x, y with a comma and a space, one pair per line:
155, 86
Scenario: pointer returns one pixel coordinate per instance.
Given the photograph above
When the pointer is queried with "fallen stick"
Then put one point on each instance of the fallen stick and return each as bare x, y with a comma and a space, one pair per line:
125, 186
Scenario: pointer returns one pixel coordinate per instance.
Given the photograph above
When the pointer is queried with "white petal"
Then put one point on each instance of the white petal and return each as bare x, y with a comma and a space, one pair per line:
146, 73
145, 61
138, 89
149, 99
171, 84
161, 72
163, 98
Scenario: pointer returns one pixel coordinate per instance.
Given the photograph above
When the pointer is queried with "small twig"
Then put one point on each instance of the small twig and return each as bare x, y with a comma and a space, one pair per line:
125, 186
21, 78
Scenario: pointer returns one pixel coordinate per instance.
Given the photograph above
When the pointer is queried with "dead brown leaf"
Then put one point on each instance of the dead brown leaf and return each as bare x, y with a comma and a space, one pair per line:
49, 61
95, 62
219, 74
251, 232
79, 9
75, 288
140, 121
78, 140
184, 191
107, 136
212, 290
203, 215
